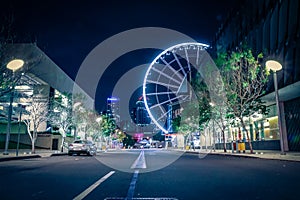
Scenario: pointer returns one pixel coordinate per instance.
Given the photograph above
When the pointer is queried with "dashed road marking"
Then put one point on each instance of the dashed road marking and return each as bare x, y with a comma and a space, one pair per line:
140, 162
92, 187
131, 189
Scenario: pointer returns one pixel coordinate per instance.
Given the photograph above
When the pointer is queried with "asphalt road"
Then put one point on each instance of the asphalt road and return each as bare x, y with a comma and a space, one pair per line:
149, 173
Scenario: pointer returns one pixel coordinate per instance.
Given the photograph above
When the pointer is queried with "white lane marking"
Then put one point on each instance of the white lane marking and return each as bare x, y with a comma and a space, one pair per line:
131, 189
140, 162
92, 187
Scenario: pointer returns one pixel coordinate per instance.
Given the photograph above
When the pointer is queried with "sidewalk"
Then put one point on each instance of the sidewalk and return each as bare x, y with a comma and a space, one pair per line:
262, 154
26, 154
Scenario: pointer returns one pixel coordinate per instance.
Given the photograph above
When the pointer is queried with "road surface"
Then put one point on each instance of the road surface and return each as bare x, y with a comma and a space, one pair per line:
152, 173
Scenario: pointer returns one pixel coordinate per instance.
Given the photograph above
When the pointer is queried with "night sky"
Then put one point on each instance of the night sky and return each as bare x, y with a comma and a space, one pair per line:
68, 30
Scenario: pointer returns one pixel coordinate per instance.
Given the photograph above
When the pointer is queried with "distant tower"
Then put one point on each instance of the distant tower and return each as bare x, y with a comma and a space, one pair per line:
142, 116
113, 107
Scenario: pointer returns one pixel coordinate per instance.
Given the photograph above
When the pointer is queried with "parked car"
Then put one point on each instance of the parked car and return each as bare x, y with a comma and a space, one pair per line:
82, 147
142, 144
137, 146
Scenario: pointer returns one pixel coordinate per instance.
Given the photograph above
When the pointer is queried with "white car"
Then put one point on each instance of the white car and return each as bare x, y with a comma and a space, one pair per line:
82, 147
145, 144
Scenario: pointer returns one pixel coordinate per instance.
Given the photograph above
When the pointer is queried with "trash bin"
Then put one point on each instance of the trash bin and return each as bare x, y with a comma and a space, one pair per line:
241, 147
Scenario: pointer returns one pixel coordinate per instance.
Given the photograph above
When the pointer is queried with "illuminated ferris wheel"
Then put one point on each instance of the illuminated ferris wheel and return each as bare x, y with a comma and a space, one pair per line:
167, 80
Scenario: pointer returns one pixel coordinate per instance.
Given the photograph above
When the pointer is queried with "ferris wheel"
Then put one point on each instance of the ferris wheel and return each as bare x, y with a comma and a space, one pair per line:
167, 80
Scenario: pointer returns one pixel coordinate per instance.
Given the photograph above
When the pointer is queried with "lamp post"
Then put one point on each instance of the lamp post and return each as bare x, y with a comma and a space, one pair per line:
99, 121
276, 66
13, 65
213, 124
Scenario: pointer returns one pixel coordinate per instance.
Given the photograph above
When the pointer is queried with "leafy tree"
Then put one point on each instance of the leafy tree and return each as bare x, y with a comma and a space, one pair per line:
108, 125
201, 91
37, 115
118, 135
196, 112
80, 114
244, 82
105, 128
60, 114
219, 113
128, 141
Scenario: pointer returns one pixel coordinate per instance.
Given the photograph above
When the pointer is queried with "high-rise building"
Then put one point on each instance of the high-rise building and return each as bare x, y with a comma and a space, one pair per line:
113, 108
142, 116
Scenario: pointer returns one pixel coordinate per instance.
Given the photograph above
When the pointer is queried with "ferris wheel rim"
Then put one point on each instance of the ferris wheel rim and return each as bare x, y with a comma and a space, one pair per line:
147, 73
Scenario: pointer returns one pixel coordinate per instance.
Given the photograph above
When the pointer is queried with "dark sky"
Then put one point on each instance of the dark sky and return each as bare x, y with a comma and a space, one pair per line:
68, 30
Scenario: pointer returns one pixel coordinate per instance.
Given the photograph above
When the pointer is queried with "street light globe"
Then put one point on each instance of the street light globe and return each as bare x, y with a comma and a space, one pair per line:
273, 65
15, 64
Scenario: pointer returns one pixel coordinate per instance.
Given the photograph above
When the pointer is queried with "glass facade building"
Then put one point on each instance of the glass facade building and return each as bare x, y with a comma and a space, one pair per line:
273, 28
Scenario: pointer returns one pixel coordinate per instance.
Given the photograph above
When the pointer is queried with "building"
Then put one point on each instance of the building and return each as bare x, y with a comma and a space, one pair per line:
271, 27
39, 76
113, 108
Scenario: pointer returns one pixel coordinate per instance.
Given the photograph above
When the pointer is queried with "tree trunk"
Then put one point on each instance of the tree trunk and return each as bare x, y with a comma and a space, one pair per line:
62, 144
247, 134
33, 146
224, 142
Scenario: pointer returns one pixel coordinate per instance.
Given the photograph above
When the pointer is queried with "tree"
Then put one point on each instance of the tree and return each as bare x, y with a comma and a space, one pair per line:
118, 135
219, 113
108, 125
201, 91
244, 82
195, 112
128, 141
80, 114
37, 115
221, 117
60, 114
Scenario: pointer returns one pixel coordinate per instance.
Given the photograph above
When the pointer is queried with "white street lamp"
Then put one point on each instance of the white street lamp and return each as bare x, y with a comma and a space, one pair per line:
276, 66
13, 65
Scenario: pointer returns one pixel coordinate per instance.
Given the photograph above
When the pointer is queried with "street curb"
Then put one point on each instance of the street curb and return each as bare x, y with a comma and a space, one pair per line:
30, 156
244, 156
58, 154
19, 158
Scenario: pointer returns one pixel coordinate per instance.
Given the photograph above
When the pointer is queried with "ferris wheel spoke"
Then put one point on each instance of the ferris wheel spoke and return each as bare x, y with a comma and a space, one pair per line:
187, 59
159, 93
173, 70
179, 63
163, 84
197, 59
165, 102
166, 75
182, 82
162, 116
